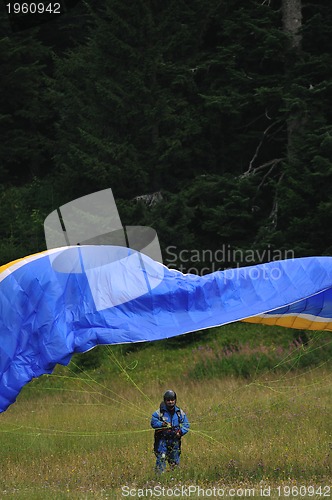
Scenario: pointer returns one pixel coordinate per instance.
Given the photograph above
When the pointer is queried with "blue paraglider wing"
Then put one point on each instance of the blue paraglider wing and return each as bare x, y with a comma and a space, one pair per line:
68, 300
312, 313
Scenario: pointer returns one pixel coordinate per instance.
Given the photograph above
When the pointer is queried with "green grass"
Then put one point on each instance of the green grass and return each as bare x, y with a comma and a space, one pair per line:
86, 434
238, 349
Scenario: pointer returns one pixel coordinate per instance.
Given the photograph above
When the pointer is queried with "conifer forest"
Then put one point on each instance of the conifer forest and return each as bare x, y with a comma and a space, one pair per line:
211, 120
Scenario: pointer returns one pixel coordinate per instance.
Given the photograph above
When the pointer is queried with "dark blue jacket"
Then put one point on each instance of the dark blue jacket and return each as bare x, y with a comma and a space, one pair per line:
178, 420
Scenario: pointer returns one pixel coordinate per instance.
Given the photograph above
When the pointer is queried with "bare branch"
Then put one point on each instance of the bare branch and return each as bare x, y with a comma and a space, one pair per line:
266, 175
253, 171
149, 199
274, 212
272, 163
267, 115
253, 159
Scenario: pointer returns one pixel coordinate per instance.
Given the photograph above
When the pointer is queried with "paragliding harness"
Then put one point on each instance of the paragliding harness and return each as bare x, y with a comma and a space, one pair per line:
168, 434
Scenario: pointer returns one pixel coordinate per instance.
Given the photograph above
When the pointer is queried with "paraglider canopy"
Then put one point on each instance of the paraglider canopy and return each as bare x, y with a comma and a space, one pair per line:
68, 300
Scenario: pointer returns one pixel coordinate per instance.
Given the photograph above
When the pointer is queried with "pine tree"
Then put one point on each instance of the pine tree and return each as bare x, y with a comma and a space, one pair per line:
304, 204
129, 102
222, 106
24, 118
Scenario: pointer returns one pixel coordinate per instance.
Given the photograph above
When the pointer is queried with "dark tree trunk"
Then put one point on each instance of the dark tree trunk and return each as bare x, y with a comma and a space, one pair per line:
292, 22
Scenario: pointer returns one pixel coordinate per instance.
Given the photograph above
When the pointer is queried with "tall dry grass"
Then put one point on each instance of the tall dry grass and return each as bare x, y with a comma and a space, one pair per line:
87, 439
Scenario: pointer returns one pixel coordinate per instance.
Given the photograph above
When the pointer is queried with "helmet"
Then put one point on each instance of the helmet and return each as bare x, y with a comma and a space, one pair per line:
169, 395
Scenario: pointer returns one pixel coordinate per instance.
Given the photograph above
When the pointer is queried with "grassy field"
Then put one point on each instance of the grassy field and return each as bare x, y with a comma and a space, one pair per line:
78, 434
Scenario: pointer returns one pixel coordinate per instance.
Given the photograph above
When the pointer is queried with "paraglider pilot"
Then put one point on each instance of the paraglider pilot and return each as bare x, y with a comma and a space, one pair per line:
170, 424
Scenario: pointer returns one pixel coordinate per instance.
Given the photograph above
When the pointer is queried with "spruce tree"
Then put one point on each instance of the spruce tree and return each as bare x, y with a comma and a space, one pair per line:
24, 117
